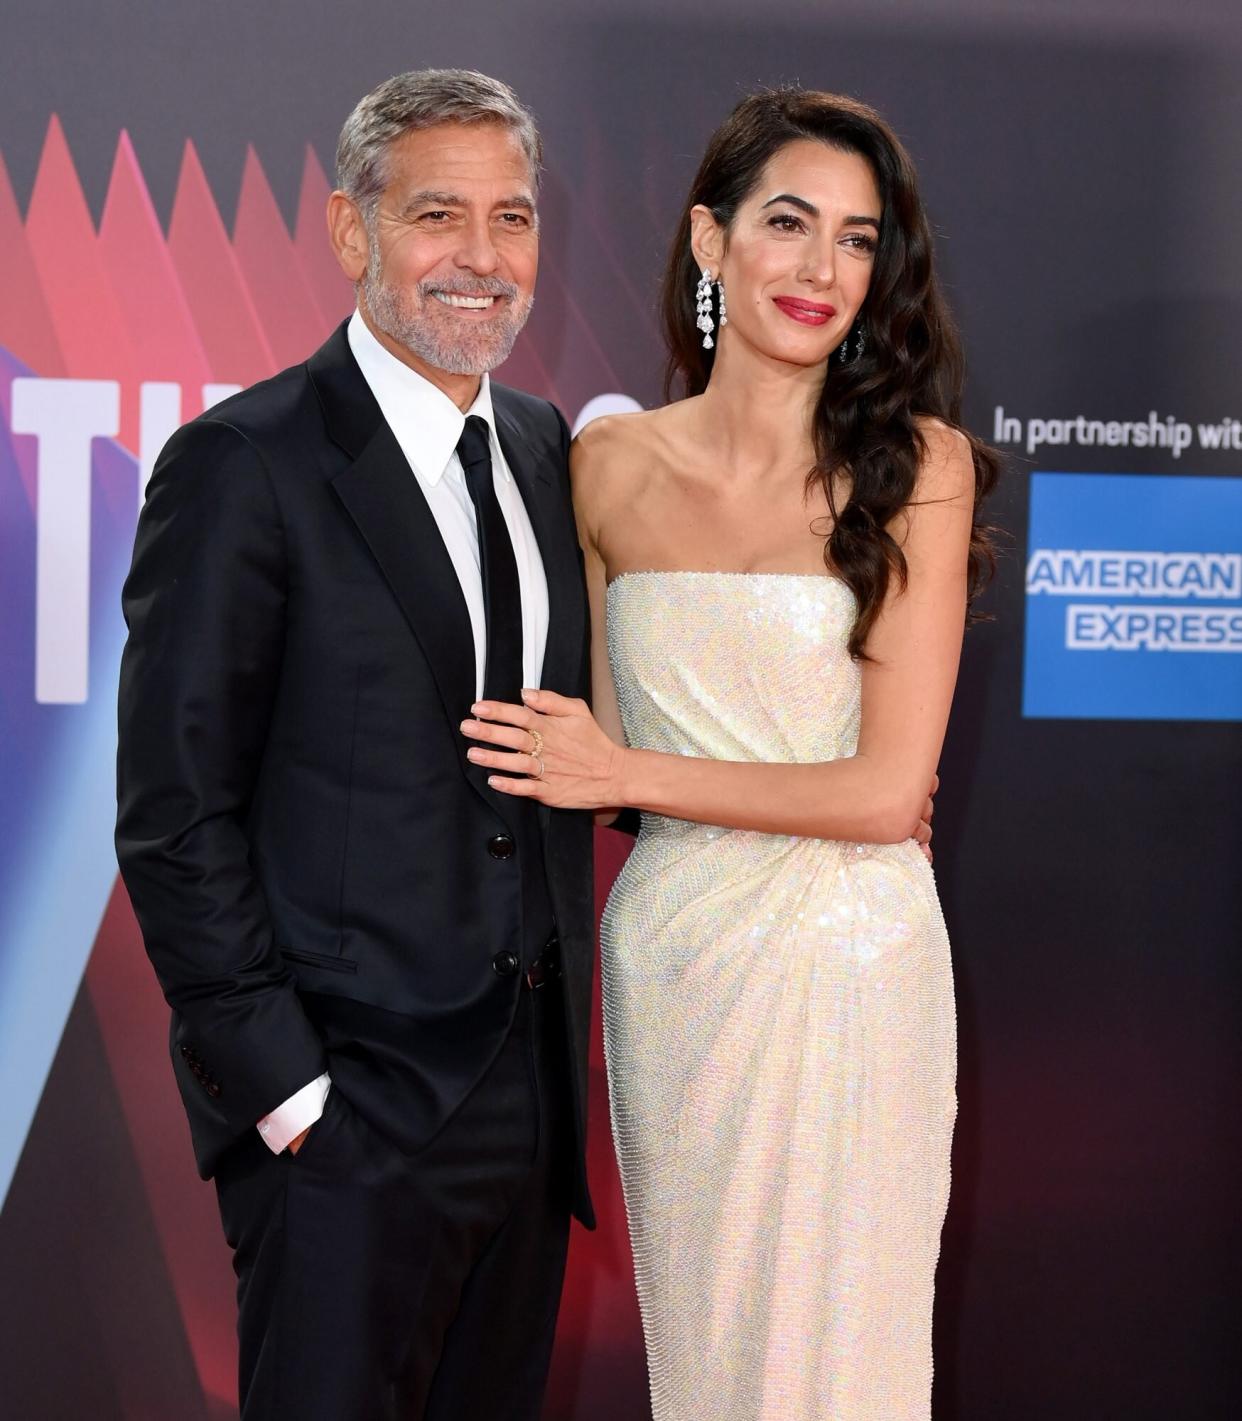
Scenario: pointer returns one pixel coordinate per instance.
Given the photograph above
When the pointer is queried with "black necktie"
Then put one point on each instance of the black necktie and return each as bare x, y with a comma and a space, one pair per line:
502, 596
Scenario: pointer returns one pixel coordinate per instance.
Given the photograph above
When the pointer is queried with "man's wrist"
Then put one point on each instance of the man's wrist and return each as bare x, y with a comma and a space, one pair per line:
295, 1115
296, 1143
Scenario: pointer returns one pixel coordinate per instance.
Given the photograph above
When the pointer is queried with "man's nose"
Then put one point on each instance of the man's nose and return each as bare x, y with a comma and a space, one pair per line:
477, 251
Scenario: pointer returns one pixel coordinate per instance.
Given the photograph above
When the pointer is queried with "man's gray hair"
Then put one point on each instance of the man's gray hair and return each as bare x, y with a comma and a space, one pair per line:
422, 98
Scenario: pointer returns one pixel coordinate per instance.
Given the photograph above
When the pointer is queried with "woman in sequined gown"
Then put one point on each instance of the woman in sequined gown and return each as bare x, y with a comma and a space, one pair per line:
780, 565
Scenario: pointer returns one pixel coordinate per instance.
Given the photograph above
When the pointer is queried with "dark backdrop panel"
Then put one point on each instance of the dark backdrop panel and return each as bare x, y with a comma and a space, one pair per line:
1081, 171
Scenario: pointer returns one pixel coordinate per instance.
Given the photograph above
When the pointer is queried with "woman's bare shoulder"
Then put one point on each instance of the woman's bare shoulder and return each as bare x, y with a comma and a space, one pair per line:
618, 454
946, 469
616, 436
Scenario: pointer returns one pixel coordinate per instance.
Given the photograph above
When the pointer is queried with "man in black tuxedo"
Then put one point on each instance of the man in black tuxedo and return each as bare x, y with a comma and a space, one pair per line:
378, 967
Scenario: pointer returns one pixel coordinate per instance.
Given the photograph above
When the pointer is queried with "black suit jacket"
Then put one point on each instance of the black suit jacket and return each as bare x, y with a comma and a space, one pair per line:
310, 855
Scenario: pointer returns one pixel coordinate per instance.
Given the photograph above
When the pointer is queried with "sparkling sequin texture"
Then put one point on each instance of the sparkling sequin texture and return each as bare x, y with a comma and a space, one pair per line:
780, 1035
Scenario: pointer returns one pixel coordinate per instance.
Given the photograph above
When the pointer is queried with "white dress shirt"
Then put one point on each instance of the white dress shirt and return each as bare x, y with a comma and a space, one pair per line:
427, 426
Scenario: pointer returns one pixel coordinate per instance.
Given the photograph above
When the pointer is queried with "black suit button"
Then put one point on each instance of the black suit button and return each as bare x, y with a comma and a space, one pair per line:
505, 964
501, 846
212, 1088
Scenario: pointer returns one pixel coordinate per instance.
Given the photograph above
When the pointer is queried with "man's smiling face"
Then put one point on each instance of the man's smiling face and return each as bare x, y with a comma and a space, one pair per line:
454, 246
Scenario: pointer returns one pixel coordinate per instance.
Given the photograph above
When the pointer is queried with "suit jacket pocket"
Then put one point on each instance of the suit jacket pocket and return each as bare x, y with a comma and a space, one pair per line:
319, 959
319, 1129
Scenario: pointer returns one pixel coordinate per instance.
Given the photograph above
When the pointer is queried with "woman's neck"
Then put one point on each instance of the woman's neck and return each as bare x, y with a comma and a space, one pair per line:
760, 411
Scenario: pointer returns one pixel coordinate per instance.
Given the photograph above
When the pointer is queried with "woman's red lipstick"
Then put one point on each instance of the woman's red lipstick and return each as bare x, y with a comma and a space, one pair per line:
807, 313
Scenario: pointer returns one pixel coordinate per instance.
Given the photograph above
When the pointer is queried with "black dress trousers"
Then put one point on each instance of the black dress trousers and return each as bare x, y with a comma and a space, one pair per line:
377, 1286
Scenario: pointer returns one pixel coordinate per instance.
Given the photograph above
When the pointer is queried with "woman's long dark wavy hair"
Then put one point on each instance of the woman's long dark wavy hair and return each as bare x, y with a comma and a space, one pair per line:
911, 364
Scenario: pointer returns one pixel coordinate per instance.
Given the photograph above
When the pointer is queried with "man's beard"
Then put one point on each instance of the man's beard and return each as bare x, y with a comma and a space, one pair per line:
429, 330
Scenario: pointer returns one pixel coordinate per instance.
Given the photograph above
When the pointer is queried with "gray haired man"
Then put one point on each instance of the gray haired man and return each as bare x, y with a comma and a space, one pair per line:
378, 967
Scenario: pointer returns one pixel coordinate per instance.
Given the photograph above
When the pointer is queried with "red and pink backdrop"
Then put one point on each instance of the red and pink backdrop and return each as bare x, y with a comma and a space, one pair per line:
163, 171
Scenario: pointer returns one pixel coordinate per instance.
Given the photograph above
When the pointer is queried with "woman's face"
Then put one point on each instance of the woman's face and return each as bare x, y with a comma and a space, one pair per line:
798, 257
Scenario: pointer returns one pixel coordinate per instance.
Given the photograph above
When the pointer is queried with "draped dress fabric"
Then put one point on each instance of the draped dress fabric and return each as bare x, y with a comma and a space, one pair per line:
780, 1032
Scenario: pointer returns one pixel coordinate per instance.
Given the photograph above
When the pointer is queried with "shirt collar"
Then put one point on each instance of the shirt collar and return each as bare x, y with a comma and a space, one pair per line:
427, 424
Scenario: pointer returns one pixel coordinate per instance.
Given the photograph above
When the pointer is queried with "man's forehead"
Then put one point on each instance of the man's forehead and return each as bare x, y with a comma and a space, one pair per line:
452, 154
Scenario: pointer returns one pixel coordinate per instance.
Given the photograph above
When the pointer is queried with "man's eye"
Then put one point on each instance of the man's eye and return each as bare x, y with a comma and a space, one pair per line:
437, 216
515, 219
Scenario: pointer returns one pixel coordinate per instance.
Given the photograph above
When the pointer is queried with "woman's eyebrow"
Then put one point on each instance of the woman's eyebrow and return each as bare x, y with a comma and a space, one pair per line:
812, 211
799, 202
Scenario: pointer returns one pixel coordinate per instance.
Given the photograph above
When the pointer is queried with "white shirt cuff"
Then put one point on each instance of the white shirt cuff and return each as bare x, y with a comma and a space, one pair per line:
296, 1114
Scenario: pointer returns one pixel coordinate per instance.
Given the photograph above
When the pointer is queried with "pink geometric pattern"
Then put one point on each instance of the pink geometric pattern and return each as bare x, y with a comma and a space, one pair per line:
270, 265
216, 291
157, 317
25, 321
334, 295
81, 300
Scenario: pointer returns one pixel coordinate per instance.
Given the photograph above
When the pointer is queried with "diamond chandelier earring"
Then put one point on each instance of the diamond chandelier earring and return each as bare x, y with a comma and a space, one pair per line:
703, 305
860, 344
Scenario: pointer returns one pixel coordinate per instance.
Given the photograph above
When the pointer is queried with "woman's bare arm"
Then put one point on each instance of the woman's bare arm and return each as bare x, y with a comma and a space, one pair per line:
585, 478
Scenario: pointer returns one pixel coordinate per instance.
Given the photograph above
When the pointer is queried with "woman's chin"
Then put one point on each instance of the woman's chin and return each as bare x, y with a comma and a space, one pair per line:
803, 354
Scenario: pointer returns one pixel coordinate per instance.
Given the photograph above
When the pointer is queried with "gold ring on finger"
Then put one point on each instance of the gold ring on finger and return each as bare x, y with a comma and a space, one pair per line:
536, 748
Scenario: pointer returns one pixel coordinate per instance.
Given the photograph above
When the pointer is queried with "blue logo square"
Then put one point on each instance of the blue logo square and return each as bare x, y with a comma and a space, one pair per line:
1134, 598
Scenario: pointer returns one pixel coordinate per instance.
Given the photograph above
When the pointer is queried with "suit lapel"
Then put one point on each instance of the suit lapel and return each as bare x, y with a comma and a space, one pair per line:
381, 495
534, 463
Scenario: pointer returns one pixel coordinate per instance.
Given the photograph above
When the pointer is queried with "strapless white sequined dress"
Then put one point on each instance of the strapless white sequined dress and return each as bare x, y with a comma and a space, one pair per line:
780, 1033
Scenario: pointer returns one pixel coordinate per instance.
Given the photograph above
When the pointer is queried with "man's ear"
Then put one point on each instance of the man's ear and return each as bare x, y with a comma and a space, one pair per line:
707, 239
348, 235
